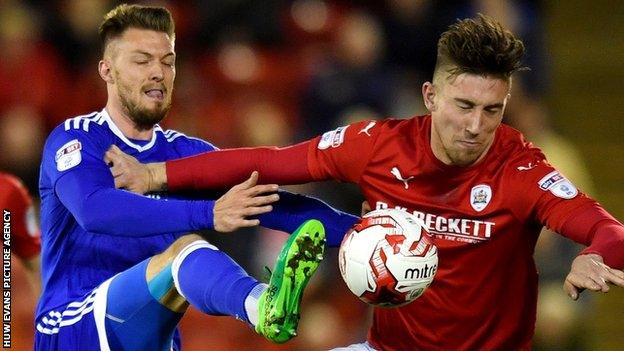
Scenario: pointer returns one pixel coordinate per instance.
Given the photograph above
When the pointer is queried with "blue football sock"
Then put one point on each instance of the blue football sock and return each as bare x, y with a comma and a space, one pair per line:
211, 281
135, 319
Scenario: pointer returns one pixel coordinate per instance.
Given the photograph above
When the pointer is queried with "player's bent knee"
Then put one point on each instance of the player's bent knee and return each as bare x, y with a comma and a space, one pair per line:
161, 272
186, 250
181, 243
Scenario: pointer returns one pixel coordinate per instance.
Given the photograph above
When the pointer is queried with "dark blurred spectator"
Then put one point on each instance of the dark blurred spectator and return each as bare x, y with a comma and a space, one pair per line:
31, 72
22, 132
263, 122
72, 28
256, 21
350, 77
235, 76
412, 28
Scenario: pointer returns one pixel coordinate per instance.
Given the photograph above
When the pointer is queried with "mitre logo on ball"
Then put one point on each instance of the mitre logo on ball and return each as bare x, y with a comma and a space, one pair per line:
388, 258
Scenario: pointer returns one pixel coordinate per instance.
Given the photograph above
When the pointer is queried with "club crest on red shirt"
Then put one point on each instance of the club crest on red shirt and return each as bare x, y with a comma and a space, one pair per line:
480, 196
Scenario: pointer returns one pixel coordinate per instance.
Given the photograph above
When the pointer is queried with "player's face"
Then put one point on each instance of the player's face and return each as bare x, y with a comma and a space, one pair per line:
466, 111
143, 69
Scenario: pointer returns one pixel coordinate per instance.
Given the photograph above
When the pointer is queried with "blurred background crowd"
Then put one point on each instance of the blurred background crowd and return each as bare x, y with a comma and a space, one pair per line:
270, 72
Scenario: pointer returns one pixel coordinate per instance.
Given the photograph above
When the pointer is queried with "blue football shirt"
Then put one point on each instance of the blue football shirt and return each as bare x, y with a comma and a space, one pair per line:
92, 231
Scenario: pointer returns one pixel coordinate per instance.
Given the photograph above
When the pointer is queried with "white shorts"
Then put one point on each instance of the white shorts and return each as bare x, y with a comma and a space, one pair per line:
355, 347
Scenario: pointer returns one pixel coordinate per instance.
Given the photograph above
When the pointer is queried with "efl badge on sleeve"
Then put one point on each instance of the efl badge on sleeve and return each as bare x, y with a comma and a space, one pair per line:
68, 155
558, 185
333, 138
480, 196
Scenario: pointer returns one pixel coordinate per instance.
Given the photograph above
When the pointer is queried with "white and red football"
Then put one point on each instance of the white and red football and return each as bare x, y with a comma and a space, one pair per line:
388, 258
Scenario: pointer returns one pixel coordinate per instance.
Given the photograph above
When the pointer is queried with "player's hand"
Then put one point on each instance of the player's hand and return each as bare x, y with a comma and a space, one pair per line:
366, 208
589, 272
131, 174
231, 211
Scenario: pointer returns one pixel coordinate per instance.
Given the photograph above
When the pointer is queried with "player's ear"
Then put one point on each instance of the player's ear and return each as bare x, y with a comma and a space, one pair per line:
105, 70
428, 93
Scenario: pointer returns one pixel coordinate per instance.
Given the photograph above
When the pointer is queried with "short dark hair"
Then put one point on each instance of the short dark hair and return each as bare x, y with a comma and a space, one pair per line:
479, 46
125, 16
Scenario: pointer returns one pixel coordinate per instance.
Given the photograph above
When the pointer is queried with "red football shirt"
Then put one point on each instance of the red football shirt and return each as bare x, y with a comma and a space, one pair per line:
485, 220
14, 198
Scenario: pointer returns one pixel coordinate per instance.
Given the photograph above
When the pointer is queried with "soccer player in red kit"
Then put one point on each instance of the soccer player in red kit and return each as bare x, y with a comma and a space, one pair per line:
25, 242
483, 191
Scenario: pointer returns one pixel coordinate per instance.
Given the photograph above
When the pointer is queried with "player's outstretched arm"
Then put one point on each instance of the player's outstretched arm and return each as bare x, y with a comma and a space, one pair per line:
589, 272
290, 211
212, 170
100, 208
602, 261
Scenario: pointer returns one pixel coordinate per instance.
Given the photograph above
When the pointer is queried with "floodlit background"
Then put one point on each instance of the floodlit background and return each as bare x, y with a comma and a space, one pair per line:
254, 72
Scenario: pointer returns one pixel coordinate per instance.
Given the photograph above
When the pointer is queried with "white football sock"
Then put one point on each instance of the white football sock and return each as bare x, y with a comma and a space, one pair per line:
251, 303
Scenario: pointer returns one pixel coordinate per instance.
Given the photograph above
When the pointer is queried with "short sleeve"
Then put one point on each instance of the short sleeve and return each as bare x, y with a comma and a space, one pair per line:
343, 153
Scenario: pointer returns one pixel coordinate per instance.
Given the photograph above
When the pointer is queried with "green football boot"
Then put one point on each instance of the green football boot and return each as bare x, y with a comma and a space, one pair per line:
278, 308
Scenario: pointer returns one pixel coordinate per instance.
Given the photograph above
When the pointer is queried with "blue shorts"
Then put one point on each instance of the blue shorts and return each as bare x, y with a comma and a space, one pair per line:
120, 314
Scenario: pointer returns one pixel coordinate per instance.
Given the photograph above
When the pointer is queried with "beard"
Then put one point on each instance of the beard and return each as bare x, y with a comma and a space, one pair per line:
144, 118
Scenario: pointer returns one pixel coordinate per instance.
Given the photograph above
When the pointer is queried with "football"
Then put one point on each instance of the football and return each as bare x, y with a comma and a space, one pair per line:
388, 258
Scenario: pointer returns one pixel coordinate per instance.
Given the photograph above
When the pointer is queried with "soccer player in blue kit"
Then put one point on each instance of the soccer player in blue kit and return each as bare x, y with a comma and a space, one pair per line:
120, 269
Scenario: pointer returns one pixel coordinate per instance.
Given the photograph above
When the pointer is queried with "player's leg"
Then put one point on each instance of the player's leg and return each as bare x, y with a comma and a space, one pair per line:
120, 314
143, 306
295, 265
274, 311
133, 316
148, 300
